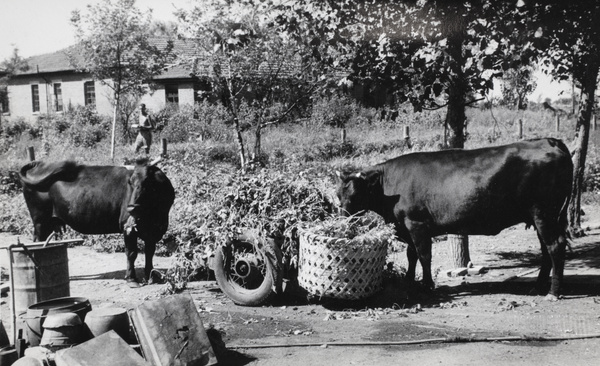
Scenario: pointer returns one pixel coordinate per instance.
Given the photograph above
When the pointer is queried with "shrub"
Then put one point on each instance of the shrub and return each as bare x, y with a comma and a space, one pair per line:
329, 150
178, 124
15, 128
223, 153
201, 121
333, 111
80, 126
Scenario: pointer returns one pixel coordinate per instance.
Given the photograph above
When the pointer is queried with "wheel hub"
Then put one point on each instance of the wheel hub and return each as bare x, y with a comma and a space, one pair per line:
245, 267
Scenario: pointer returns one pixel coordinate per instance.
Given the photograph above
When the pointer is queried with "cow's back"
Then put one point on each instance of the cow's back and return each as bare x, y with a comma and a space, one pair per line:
89, 199
480, 191
97, 199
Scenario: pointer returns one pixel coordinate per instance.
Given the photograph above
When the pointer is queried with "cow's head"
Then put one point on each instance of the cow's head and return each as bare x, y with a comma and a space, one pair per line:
150, 189
357, 191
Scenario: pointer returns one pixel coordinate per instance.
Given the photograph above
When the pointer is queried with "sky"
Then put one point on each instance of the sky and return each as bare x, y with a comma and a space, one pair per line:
36, 27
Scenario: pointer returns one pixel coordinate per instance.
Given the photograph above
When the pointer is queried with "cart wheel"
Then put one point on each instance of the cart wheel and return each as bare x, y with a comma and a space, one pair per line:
248, 269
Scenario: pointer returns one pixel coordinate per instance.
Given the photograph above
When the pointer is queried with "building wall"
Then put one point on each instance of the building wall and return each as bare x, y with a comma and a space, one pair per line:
72, 85
156, 100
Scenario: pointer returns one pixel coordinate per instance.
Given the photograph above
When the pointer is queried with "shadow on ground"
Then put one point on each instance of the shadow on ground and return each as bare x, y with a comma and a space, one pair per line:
113, 275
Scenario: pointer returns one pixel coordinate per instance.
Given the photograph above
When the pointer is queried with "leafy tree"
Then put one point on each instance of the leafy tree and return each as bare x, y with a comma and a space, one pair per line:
8, 67
432, 53
160, 28
517, 85
567, 37
114, 45
248, 63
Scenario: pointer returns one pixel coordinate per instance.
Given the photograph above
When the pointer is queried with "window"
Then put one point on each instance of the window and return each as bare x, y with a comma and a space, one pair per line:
172, 93
35, 98
89, 92
4, 100
58, 101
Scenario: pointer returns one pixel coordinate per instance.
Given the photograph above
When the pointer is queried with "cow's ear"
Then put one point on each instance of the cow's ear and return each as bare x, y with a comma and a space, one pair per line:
372, 177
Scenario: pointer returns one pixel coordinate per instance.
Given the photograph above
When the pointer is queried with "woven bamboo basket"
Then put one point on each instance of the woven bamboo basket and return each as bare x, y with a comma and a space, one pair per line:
336, 268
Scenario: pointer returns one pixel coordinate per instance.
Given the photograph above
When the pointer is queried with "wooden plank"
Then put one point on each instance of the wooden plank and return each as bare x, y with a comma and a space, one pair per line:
170, 332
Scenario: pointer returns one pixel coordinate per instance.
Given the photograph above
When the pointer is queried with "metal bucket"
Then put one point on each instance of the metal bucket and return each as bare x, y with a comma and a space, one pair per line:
37, 313
102, 320
63, 330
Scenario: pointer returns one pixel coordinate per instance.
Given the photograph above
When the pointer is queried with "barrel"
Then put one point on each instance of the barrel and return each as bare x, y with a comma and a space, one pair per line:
102, 320
39, 272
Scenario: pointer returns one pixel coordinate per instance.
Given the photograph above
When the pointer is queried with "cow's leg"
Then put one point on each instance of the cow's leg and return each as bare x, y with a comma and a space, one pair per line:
149, 249
422, 244
557, 251
131, 251
545, 268
411, 254
556, 244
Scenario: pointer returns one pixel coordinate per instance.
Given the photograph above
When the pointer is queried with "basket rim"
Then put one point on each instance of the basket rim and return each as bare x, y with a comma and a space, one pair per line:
327, 239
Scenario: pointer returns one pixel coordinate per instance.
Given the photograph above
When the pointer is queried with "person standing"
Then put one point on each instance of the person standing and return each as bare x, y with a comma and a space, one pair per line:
145, 127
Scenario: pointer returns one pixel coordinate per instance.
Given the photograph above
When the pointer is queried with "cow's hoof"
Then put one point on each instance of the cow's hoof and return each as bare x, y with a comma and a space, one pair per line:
551, 298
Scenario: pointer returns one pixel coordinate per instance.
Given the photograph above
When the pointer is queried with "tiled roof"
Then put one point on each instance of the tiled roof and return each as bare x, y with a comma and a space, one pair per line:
50, 62
181, 48
185, 50
59, 61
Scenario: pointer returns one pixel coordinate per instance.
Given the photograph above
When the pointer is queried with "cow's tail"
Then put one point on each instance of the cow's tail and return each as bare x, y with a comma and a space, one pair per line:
563, 221
40, 176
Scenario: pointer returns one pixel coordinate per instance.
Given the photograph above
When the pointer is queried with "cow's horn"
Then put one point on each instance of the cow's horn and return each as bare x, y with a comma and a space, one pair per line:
155, 161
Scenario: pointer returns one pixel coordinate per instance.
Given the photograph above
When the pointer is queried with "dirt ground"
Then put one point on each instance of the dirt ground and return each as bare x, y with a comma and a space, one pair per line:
467, 320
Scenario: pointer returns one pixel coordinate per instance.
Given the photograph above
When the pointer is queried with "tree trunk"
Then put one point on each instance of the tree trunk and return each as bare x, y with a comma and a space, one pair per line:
257, 141
240, 142
114, 126
236, 123
582, 134
455, 120
459, 247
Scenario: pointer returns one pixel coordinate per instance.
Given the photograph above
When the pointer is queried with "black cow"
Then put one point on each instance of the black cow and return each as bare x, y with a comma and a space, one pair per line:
101, 200
470, 192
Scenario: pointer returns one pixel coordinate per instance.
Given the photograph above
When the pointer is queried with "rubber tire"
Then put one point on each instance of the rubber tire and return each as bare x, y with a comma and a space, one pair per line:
238, 294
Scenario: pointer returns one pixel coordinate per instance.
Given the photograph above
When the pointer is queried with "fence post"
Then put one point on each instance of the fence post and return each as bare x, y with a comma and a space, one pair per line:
164, 147
520, 129
557, 122
594, 122
343, 135
406, 133
31, 153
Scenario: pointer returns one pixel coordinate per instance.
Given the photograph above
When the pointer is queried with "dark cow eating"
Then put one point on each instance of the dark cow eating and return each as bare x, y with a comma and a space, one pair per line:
101, 200
470, 192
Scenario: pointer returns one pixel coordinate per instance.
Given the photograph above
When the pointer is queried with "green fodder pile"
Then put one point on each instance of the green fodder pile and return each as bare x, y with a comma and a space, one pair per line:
358, 230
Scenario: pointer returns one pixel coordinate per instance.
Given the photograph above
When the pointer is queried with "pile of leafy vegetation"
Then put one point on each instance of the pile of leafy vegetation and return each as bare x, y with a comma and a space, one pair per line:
215, 203
357, 230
